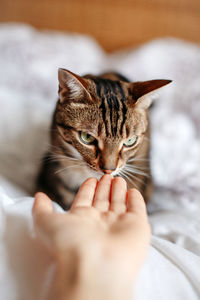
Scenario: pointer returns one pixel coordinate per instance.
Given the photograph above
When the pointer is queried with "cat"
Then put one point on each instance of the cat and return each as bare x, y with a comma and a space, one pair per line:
100, 126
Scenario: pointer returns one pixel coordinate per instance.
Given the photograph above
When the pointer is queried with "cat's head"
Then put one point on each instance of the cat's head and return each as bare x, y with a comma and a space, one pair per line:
103, 122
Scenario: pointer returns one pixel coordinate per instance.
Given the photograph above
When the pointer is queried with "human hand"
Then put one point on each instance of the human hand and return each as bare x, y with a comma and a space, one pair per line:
104, 207
106, 227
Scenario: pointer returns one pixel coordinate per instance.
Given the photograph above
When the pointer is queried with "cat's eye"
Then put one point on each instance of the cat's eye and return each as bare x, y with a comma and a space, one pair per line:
86, 138
131, 142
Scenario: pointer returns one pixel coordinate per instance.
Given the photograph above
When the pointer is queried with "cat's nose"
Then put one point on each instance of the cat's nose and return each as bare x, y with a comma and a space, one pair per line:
108, 171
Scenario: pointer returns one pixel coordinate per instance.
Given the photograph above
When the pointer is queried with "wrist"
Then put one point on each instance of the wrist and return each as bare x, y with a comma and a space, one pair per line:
65, 278
81, 275
92, 277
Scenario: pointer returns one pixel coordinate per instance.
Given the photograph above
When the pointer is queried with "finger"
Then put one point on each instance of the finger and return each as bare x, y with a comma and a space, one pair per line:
42, 204
42, 215
85, 194
42, 210
118, 195
102, 194
47, 223
135, 202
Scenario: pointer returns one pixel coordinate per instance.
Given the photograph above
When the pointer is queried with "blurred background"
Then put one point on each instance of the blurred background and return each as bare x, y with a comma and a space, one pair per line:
114, 23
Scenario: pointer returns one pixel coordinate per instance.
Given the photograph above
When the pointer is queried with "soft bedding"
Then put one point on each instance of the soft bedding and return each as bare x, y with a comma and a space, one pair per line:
28, 91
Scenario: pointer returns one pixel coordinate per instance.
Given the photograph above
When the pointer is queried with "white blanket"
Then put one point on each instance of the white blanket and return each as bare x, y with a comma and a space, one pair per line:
28, 91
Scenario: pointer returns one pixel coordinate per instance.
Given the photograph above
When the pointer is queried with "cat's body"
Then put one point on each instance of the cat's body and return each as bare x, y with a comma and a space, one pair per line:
100, 125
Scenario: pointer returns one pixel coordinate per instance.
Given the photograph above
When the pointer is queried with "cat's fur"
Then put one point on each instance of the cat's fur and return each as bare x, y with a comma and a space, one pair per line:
114, 112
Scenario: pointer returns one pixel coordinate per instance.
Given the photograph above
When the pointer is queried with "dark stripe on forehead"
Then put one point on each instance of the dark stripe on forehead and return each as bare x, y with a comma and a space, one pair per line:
98, 86
111, 97
114, 94
102, 91
106, 86
109, 101
124, 109
111, 92
115, 104
106, 94
121, 91
103, 108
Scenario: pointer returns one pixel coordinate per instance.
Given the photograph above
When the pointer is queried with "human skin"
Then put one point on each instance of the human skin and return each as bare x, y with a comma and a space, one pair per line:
100, 245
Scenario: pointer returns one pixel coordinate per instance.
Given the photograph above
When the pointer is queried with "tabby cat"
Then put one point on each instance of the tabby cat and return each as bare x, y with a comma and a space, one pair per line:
100, 126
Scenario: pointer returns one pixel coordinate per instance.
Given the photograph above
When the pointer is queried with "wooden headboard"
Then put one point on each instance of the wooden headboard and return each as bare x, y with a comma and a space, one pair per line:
114, 23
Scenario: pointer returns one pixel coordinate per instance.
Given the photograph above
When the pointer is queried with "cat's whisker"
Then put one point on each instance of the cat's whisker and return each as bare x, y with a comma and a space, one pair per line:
68, 167
64, 158
135, 159
54, 148
133, 183
131, 175
59, 156
137, 167
136, 171
127, 178
130, 166
137, 162
121, 173
136, 178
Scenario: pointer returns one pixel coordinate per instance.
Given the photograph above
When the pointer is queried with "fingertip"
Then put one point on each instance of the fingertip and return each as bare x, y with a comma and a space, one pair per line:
102, 193
106, 177
135, 202
42, 204
135, 193
85, 194
90, 180
118, 195
119, 181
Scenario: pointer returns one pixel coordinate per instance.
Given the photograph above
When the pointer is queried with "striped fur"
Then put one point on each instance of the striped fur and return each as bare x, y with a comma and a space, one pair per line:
111, 110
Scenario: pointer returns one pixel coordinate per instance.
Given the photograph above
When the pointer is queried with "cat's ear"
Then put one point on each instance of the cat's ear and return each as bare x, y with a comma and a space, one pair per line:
72, 87
143, 93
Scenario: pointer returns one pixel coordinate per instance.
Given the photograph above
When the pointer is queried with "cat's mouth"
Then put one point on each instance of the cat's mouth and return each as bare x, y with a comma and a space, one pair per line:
98, 172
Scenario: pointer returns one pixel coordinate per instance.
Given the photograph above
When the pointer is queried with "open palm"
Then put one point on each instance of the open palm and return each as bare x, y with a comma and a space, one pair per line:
103, 213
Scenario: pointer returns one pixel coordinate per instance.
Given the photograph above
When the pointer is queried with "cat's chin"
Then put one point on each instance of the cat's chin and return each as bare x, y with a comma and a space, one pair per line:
96, 174
99, 174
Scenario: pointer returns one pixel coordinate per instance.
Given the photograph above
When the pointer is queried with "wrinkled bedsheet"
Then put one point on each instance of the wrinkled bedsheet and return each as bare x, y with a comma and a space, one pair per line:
28, 92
